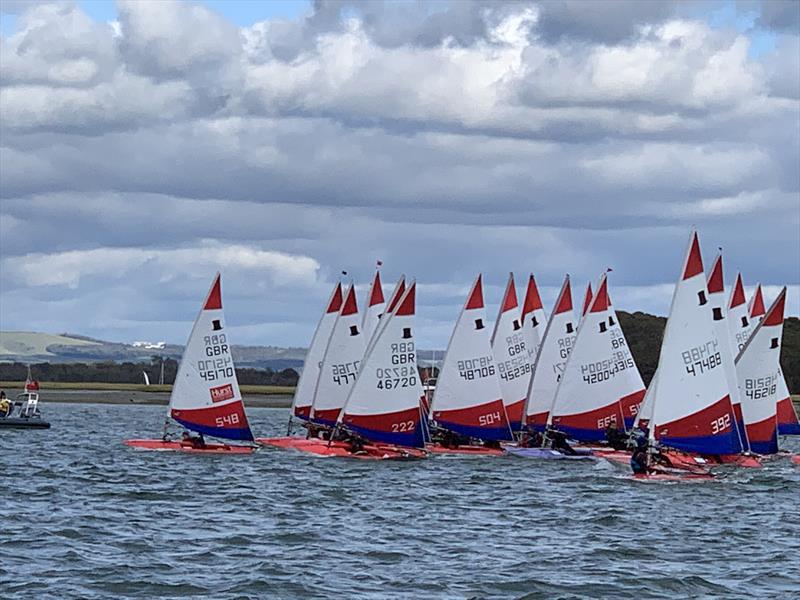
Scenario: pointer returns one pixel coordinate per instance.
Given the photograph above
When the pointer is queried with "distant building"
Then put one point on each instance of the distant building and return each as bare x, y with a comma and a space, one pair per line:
150, 345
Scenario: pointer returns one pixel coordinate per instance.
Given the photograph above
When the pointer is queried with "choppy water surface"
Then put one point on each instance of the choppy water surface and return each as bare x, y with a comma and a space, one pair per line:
85, 517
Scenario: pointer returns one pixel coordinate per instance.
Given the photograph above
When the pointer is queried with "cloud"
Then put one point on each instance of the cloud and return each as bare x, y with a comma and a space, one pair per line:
469, 136
68, 268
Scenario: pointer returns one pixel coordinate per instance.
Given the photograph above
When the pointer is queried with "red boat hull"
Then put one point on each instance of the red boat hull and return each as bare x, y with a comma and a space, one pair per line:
672, 477
343, 449
464, 450
162, 446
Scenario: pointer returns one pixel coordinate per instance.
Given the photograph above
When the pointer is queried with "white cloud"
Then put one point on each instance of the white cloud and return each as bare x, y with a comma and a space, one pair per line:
68, 268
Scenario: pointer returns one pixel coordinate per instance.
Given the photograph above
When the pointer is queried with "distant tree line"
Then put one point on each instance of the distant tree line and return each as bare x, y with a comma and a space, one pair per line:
131, 372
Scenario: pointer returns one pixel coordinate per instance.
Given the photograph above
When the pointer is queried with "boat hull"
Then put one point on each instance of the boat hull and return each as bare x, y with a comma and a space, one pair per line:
694, 477
17, 423
162, 446
465, 450
324, 448
548, 454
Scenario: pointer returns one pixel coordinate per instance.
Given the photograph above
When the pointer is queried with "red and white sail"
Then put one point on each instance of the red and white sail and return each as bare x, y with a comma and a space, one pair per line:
304, 393
716, 299
598, 376
374, 307
759, 370
692, 408
384, 404
340, 363
557, 342
756, 307
534, 320
467, 398
587, 299
738, 316
394, 299
511, 355
205, 397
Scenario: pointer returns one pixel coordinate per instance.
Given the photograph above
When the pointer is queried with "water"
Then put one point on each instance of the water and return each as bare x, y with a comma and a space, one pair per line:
86, 517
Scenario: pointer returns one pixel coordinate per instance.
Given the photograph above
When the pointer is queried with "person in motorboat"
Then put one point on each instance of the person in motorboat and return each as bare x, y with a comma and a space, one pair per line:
558, 442
5, 405
196, 441
617, 438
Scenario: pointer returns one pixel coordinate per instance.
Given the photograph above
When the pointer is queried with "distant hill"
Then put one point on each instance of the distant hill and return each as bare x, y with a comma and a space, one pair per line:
643, 332
31, 347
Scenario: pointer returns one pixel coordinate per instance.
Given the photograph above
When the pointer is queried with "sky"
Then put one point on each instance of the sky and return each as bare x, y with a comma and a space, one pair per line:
146, 145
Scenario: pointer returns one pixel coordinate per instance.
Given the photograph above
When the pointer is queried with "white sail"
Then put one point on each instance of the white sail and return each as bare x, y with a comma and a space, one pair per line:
373, 308
304, 393
340, 364
534, 321
468, 399
759, 370
384, 403
557, 342
205, 396
598, 375
692, 408
738, 316
716, 299
511, 355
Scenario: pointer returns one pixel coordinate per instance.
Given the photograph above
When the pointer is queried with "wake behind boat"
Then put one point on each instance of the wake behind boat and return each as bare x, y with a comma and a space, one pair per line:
205, 398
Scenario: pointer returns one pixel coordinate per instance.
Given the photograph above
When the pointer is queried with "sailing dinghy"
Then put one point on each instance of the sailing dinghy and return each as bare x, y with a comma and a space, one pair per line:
691, 404
304, 394
205, 397
382, 412
557, 341
600, 377
511, 356
468, 402
340, 364
716, 298
759, 370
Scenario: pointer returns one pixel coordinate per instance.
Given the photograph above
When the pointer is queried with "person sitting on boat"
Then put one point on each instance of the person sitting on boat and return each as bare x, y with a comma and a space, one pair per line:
558, 442
531, 439
5, 405
196, 441
640, 461
617, 438
494, 444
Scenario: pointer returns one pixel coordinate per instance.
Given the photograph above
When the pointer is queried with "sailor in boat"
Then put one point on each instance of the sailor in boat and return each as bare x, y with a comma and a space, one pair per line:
531, 439
558, 442
617, 438
196, 441
648, 459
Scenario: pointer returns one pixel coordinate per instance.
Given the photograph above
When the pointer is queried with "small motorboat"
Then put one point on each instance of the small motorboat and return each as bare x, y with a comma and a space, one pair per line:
23, 411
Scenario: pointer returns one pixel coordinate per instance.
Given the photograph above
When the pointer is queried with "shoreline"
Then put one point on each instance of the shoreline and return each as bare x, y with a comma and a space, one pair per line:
134, 397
